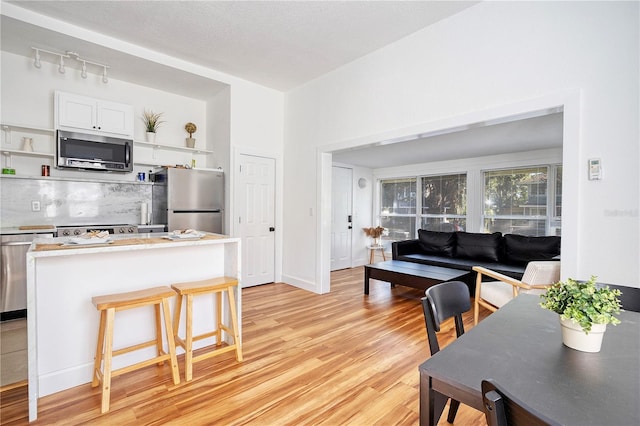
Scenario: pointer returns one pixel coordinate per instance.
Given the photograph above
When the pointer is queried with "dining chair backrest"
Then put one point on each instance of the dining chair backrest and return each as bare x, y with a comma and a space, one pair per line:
629, 297
502, 409
441, 302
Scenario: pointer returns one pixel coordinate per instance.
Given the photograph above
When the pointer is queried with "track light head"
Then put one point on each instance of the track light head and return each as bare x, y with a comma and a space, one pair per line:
61, 69
83, 74
36, 62
105, 80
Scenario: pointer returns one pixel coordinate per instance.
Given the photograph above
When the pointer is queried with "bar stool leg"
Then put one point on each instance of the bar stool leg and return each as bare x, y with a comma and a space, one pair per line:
108, 356
97, 365
175, 372
176, 317
218, 334
158, 320
234, 322
188, 346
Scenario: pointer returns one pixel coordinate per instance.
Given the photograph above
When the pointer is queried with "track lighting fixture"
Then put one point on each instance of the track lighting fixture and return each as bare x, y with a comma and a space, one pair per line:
71, 55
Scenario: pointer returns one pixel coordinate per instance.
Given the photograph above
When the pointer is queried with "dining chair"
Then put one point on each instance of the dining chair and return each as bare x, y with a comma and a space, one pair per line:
494, 294
629, 297
503, 409
441, 302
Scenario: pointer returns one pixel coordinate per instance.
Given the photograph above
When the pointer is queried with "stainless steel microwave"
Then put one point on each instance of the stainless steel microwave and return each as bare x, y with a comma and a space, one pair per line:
93, 152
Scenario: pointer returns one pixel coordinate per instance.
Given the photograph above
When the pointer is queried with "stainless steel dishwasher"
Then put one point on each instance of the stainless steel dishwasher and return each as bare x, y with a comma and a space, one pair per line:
13, 278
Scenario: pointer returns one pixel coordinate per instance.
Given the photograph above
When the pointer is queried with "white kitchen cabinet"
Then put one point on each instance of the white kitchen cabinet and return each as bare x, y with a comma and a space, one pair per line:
76, 112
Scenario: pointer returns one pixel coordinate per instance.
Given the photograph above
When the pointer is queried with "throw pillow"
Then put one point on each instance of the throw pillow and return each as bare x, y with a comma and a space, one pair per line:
476, 246
521, 249
437, 243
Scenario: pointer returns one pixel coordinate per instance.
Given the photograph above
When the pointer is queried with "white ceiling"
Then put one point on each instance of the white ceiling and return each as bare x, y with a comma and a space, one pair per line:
476, 140
278, 44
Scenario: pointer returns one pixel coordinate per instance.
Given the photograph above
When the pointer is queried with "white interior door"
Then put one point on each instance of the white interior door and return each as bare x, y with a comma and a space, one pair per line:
256, 220
341, 223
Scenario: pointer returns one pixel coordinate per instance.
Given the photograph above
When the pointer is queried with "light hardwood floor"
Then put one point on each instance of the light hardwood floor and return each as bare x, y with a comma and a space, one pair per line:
341, 358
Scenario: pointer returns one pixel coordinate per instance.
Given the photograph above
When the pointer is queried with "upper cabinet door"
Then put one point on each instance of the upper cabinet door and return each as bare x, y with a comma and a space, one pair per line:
115, 118
75, 112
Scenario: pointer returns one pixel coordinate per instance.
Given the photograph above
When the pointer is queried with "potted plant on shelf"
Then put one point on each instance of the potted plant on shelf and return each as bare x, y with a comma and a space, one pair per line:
584, 309
151, 121
191, 129
375, 233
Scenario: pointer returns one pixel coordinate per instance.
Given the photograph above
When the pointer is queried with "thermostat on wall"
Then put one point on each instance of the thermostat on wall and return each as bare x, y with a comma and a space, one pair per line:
595, 169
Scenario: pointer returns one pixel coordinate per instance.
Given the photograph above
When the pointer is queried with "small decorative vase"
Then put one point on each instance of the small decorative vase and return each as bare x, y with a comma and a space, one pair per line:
376, 242
27, 145
151, 137
191, 142
574, 337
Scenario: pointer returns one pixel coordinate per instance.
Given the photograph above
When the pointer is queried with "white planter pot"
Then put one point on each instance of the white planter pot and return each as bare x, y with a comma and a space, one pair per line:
151, 137
574, 337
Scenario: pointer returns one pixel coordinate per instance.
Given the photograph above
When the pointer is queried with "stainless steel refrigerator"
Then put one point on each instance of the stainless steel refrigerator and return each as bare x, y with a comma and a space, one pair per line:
189, 199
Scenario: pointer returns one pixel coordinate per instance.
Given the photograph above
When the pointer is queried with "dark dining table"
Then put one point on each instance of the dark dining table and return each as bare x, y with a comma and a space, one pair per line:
520, 347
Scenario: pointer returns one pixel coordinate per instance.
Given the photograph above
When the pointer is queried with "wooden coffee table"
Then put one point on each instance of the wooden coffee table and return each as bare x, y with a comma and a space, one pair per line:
409, 274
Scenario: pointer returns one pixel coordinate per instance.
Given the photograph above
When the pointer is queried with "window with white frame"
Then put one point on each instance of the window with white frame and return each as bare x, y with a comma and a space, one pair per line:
525, 201
427, 202
444, 202
398, 208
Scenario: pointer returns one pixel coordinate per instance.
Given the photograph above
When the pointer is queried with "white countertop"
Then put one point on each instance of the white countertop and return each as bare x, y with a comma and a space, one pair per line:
16, 230
51, 247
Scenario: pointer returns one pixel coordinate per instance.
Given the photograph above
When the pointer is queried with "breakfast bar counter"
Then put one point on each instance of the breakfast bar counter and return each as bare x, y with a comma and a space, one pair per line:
62, 278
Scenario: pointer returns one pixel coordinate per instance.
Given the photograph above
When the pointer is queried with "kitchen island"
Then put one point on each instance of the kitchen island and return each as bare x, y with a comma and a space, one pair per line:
61, 280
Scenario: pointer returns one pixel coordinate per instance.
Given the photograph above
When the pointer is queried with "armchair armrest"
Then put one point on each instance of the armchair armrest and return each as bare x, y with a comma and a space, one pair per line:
498, 276
400, 248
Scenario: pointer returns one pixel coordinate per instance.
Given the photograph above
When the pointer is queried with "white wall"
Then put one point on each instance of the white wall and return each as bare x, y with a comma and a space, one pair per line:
28, 99
495, 56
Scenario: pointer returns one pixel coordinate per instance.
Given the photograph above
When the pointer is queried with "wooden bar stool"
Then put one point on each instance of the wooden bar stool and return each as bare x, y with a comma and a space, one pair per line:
108, 305
218, 286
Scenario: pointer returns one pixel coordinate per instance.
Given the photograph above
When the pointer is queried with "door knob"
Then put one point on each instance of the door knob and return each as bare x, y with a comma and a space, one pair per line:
272, 229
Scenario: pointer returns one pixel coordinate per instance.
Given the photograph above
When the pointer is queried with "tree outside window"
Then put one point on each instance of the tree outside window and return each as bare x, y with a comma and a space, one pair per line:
444, 202
516, 201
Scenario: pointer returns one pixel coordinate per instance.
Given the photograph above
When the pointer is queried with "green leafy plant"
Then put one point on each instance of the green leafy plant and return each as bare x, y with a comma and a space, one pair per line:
152, 120
583, 302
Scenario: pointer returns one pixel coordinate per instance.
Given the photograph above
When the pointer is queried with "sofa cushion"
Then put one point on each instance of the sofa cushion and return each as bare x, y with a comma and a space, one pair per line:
479, 246
514, 271
521, 249
437, 243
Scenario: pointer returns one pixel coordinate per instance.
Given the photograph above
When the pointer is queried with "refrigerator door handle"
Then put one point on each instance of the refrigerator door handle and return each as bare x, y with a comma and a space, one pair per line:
196, 211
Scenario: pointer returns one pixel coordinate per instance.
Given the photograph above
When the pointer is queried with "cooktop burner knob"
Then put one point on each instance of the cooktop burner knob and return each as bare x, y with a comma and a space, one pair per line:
120, 230
65, 233
77, 232
130, 230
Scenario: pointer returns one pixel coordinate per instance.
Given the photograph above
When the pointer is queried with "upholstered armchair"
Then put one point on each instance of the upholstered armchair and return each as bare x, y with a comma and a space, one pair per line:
494, 294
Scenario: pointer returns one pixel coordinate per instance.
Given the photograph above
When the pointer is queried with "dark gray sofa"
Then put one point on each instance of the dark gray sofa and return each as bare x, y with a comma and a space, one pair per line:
507, 254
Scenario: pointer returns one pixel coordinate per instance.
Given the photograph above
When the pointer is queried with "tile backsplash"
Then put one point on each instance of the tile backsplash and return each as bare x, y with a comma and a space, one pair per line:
71, 202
